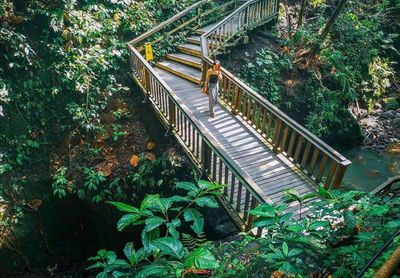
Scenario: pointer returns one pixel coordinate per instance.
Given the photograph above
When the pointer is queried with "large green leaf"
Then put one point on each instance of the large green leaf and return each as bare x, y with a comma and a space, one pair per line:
124, 207
153, 222
263, 210
188, 186
126, 220
130, 252
153, 270
285, 249
205, 184
192, 214
208, 201
318, 224
201, 258
149, 200
293, 194
148, 238
172, 227
263, 222
170, 246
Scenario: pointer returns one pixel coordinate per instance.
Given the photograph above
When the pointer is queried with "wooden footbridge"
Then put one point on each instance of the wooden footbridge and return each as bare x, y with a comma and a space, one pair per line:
250, 145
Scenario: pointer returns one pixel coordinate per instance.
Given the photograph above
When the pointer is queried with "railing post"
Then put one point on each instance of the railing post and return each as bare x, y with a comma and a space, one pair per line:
205, 157
172, 114
339, 176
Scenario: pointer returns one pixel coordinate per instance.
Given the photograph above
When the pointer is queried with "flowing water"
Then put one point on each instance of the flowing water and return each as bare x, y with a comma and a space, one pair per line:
369, 168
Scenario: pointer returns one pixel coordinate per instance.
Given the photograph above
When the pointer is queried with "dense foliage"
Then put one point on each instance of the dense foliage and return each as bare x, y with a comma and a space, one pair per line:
339, 234
355, 65
64, 108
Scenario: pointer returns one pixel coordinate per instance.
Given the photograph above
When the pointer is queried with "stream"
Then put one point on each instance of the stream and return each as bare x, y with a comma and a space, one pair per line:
369, 168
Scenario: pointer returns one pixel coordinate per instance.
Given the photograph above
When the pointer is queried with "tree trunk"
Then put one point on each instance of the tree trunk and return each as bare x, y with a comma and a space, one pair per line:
288, 19
328, 26
301, 13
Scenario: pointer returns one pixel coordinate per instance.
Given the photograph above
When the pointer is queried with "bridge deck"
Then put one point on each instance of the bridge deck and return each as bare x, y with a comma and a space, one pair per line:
271, 172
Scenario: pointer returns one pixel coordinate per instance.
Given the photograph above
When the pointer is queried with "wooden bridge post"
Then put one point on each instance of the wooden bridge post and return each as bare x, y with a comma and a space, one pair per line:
339, 176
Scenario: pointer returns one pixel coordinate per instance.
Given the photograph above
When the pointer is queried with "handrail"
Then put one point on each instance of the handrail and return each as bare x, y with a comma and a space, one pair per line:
167, 22
264, 117
212, 144
292, 123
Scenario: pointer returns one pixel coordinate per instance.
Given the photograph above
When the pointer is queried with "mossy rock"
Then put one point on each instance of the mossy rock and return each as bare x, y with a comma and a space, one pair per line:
390, 103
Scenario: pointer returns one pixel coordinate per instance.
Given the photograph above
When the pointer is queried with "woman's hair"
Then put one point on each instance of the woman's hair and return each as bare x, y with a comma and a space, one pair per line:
217, 63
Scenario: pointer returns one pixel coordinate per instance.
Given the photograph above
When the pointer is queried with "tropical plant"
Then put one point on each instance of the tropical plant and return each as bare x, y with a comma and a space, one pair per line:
162, 254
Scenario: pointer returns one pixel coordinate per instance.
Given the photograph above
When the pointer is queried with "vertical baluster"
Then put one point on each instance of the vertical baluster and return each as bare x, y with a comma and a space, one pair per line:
331, 173
206, 157
253, 116
189, 135
193, 140
232, 187
291, 143
248, 108
226, 181
277, 132
285, 135
246, 206
251, 217
305, 155
171, 113
239, 197
271, 118
214, 169
262, 128
322, 166
220, 171
197, 144
245, 99
260, 108
298, 148
313, 161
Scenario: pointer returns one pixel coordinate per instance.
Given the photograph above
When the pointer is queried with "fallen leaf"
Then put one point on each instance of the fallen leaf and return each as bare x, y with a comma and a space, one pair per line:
106, 171
151, 145
287, 48
134, 160
150, 156
35, 203
17, 19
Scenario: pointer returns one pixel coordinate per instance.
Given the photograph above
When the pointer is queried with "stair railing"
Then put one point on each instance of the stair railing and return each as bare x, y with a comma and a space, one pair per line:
198, 144
197, 18
283, 134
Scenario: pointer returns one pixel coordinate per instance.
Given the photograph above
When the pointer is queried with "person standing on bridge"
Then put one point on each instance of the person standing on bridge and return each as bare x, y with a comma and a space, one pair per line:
211, 86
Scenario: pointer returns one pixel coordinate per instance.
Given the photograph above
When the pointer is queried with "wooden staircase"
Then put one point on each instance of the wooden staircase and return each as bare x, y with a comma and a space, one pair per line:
186, 62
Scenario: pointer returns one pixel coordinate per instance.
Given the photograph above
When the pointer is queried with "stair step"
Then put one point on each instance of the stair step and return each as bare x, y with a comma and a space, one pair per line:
196, 40
190, 48
186, 59
181, 70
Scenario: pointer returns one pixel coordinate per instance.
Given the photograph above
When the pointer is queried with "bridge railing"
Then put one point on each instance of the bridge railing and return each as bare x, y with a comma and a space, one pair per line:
286, 136
203, 150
